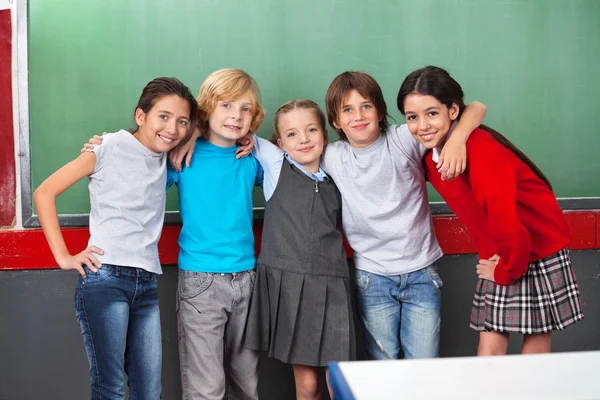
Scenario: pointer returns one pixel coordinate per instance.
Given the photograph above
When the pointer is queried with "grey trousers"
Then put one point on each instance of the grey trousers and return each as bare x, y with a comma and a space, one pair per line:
211, 315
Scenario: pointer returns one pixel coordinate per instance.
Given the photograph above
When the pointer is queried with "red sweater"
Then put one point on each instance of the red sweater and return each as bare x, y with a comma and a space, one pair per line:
507, 208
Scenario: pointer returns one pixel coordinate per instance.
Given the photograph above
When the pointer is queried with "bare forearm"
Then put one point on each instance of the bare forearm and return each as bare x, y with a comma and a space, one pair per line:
472, 117
45, 204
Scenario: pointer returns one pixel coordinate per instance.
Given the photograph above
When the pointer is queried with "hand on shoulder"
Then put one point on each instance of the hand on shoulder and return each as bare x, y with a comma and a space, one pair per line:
95, 140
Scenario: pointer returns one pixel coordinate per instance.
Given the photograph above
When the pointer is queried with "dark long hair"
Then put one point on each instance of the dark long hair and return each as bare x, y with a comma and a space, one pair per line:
161, 87
437, 82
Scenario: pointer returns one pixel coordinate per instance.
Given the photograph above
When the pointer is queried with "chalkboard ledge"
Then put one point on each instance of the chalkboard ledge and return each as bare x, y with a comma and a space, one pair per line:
438, 208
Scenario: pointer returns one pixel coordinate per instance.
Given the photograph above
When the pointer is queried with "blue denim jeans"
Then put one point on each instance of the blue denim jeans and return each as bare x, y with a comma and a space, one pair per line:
400, 313
117, 310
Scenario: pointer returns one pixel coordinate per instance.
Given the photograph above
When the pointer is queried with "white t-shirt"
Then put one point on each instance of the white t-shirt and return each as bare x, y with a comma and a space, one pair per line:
385, 210
127, 196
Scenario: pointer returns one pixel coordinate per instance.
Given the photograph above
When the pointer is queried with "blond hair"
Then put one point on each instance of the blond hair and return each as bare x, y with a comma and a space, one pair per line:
228, 85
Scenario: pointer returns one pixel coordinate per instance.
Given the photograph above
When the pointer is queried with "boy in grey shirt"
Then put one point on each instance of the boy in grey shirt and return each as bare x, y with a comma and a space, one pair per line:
385, 215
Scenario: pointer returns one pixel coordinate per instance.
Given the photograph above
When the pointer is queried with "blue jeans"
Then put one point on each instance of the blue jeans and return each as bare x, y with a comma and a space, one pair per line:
117, 310
400, 313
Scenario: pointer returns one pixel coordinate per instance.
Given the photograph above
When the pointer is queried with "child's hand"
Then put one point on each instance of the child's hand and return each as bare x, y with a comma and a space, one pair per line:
95, 140
86, 257
177, 155
246, 144
485, 268
453, 159
184, 150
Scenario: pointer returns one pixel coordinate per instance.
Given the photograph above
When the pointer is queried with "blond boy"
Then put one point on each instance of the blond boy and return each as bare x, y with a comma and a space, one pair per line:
216, 258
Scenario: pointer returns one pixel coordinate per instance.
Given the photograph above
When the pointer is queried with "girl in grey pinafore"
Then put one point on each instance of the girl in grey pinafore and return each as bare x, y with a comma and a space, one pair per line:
301, 310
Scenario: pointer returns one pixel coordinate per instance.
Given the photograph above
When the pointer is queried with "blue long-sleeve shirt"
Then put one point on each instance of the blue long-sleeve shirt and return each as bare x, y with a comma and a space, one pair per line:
215, 203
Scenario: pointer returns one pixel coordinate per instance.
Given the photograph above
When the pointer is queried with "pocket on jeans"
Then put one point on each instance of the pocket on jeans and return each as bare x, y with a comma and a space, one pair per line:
96, 278
363, 280
191, 284
434, 276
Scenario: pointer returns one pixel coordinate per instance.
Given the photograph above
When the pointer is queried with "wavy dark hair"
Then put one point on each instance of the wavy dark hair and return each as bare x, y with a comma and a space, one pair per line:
437, 82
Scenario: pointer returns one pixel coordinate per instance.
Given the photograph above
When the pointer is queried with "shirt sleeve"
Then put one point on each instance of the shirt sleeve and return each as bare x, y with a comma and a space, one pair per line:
260, 176
331, 153
458, 194
494, 184
270, 158
101, 150
401, 136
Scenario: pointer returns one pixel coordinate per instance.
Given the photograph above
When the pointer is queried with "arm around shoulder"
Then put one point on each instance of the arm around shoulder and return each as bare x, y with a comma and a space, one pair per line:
266, 152
453, 158
184, 150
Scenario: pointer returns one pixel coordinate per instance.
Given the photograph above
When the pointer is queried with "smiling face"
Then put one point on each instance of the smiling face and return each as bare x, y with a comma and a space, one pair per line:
164, 125
359, 120
428, 120
230, 120
302, 136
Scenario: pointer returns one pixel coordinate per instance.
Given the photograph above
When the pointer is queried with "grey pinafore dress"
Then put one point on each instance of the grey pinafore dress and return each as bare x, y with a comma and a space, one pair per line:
301, 310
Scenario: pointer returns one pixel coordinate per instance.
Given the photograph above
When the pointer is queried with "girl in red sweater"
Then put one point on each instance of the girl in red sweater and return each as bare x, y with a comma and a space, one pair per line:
526, 282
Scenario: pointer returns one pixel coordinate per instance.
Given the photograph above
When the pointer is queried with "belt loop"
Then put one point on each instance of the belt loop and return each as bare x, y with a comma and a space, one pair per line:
117, 271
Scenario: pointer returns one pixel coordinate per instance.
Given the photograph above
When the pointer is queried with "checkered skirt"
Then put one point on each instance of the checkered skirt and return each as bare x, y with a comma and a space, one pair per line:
546, 298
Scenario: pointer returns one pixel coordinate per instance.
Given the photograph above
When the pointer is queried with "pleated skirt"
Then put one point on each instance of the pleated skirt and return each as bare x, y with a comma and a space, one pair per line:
301, 318
546, 298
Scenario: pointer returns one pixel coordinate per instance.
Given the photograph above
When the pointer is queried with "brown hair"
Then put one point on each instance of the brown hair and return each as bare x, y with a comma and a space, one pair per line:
161, 87
364, 84
294, 105
437, 82
228, 85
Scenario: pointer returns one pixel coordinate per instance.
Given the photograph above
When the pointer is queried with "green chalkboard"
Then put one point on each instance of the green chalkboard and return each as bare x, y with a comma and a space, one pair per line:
534, 63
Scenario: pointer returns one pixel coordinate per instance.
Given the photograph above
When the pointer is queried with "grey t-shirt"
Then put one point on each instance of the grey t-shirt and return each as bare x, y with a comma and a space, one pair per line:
127, 196
385, 211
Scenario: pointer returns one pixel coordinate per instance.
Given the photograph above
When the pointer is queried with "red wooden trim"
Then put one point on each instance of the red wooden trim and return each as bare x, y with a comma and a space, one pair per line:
8, 180
453, 236
583, 226
27, 249
598, 230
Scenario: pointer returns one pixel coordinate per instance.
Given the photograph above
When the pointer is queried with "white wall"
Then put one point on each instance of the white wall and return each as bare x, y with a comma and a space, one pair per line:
4, 4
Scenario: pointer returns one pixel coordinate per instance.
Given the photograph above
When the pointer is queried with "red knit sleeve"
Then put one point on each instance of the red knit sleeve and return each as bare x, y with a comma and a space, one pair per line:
458, 195
494, 184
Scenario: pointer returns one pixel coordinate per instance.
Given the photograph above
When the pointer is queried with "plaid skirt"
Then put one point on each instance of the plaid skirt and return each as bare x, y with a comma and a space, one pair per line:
546, 298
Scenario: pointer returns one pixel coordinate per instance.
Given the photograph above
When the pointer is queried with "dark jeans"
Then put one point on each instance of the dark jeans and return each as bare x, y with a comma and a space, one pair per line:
117, 310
